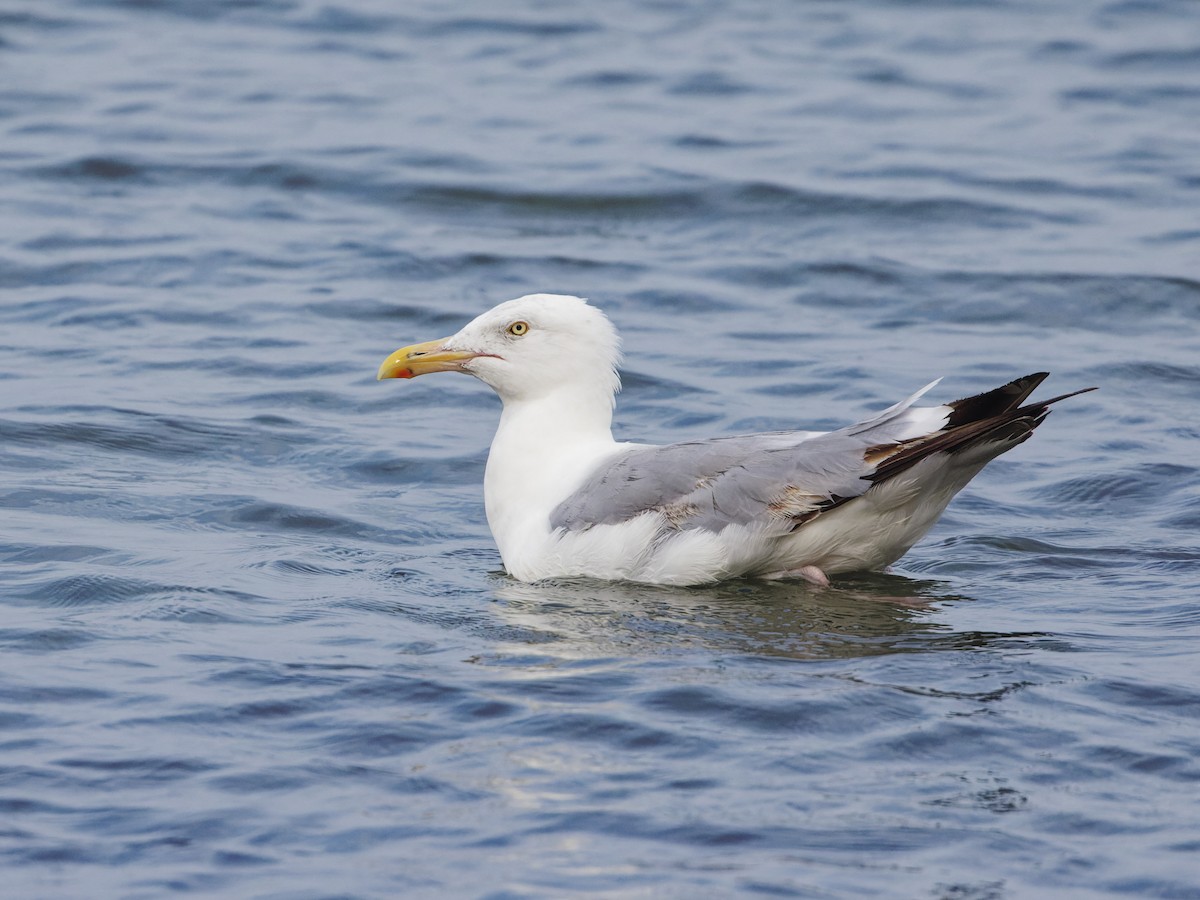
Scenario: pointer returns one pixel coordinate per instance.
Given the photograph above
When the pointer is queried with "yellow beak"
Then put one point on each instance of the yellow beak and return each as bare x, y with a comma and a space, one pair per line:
421, 359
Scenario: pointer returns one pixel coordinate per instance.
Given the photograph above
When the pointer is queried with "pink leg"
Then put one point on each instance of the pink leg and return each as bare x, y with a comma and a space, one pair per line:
813, 575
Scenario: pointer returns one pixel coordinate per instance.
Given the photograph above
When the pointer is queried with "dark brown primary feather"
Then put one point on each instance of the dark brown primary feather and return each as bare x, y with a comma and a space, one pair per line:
995, 402
993, 417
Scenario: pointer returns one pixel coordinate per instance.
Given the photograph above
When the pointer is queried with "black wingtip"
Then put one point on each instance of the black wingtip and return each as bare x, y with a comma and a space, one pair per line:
995, 402
1043, 404
996, 416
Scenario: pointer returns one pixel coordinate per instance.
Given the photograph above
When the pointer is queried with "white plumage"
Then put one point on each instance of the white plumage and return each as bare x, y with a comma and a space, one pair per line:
564, 499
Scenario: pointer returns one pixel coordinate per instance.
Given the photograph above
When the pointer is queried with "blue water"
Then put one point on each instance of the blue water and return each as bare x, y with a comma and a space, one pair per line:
256, 639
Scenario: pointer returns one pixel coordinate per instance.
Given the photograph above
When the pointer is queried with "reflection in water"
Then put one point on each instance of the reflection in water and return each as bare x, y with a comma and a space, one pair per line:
869, 615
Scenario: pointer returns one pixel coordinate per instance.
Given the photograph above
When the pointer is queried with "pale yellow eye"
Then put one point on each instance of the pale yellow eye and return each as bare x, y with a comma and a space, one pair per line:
516, 329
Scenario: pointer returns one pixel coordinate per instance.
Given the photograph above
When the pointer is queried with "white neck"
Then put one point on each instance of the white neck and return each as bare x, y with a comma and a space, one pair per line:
542, 451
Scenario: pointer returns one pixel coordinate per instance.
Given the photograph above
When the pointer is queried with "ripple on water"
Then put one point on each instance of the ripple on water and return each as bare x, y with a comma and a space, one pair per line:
1149, 698
131, 430
43, 640
90, 589
809, 716
1133, 490
376, 741
1154, 375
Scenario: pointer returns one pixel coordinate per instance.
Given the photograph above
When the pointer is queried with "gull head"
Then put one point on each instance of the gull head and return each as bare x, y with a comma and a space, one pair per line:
525, 349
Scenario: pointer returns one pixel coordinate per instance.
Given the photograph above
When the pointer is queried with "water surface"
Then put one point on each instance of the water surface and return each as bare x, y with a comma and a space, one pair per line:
256, 638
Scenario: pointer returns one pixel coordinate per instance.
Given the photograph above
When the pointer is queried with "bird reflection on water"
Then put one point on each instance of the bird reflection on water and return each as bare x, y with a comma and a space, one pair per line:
870, 615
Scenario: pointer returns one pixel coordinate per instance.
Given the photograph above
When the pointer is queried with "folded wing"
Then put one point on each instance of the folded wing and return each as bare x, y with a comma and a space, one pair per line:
779, 481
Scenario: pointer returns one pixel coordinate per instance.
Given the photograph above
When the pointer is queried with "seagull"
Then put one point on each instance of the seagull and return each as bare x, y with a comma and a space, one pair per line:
565, 500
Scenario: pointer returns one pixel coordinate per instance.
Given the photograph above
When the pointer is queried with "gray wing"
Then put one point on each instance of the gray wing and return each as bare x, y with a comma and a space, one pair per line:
789, 477
715, 483
785, 475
